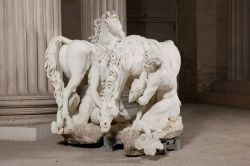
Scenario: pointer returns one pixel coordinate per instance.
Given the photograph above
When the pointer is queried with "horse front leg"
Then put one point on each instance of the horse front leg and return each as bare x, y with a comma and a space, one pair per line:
138, 117
124, 111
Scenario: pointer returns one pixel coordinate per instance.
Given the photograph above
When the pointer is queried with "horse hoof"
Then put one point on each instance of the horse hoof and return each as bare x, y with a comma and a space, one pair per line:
54, 128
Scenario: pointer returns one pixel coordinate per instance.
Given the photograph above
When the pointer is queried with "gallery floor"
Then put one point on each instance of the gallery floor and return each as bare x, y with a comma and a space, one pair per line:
213, 136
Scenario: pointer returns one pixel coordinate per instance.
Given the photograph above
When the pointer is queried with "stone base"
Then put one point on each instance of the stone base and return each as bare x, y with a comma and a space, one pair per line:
129, 137
25, 133
84, 134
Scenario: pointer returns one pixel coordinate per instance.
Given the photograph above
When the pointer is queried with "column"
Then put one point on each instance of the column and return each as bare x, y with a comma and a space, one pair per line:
25, 92
239, 40
91, 9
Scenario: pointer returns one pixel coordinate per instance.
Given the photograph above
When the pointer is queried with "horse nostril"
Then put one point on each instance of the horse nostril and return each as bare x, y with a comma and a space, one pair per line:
105, 123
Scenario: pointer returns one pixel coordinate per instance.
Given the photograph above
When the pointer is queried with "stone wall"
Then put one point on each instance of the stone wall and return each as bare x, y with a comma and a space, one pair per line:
71, 18
206, 43
153, 19
222, 40
187, 44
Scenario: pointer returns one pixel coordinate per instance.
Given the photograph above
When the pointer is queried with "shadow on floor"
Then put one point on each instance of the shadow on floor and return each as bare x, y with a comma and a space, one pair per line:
90, 146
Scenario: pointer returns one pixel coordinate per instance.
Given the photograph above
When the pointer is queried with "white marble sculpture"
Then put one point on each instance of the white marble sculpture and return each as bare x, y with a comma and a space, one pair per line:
76, 57
157, 64
111, 59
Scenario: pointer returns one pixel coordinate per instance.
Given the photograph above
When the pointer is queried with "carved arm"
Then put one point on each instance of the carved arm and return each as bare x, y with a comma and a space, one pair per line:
152, 86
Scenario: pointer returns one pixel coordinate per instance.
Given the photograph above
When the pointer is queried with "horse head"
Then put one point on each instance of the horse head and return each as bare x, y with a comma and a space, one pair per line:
114, 25
111, 104
109, 111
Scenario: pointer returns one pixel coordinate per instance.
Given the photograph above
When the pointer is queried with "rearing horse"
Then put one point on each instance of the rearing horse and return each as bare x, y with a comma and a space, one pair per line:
75, 59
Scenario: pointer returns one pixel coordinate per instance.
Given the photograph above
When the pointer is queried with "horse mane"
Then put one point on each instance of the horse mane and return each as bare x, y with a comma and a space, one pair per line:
112, 75
98, 24
117, 63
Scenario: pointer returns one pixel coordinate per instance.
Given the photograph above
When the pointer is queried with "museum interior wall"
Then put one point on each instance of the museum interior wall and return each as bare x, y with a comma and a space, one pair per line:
212, 35
224, 74
213, 38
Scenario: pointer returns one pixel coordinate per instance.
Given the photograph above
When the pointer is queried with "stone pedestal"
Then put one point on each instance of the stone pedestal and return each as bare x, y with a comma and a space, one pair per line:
25, 93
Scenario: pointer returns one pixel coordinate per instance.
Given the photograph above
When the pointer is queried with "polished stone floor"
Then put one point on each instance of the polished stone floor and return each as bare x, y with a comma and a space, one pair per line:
214, 136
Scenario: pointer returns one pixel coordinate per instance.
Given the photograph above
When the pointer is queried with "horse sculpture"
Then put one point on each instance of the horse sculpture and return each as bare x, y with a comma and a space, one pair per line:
157, 64
75, 59
111, 59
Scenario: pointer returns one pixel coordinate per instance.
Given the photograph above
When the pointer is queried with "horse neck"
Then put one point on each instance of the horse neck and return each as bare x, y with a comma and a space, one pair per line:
116, 85
134, 62
122, 79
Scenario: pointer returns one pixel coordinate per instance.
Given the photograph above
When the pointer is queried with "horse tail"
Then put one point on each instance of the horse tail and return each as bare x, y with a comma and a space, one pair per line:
51, 67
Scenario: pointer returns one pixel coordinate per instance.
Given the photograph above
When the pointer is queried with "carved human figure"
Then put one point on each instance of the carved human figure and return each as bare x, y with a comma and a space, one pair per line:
162, 61
127, 61
156, 77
